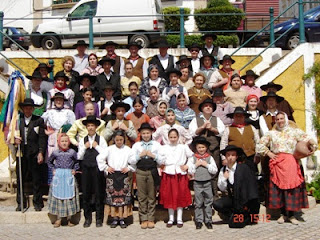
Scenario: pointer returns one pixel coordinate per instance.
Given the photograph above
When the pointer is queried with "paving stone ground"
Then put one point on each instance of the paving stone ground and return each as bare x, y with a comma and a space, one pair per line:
265, 230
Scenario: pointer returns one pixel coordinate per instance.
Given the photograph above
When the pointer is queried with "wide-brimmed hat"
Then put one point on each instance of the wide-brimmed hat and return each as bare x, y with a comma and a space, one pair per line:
163, 43
87, 75
118, 104
28, 102
207, 55
44, 65
214, 37
145, 126
62, 75
218, 93
109, 43
194, 45
271, 94
200, 140
35, 74
183, 57
80, 43
91, 119
238, 110
227, 57
108, 86
107, 59
271, 85
134, 44
174, 70
250, 73
208, 100
239, 151
58, 95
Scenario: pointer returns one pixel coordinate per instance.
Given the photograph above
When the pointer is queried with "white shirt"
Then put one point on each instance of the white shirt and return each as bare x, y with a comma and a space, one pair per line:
55, 118
195, 65
174, 156
38, 98
211, 166
116, 158
214, 78
193, 126
138, 148
162, 134
80, 63
262, 122
107, 104
154, 82
219, 55
165, 60
82, 149
108, 76
222, 181
27, 121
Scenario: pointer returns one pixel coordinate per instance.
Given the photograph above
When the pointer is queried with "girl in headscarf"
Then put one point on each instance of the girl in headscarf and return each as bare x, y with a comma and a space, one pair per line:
256, 116
160, 120
184, 114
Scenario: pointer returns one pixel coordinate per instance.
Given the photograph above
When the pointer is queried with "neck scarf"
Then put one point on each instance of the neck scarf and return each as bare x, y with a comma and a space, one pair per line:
199, 156
238, 125
134, 58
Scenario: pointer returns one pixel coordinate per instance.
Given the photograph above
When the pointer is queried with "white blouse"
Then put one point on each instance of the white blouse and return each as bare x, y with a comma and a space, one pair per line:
138, 148
55, 118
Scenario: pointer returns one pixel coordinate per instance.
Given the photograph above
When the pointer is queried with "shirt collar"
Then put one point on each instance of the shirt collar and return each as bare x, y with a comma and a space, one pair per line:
143, 143
202, 116
163, 58
233, 169
272, 114
93, 137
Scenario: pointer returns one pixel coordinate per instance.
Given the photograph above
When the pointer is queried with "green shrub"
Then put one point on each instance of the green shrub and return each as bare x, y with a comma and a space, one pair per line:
172, 23
222, 41
216, 23
218, 3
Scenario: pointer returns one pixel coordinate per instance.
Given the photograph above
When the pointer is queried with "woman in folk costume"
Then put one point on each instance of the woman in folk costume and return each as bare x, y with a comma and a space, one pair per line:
63, 200
287, 190
184, 114
256, 116
114, 162
159, 120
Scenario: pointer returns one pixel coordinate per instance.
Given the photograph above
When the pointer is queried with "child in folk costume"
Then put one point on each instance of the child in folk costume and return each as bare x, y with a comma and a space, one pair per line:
184, 114
63, 198
159, 120
92, 180
145, 157
204, 168
174, 187
114, 162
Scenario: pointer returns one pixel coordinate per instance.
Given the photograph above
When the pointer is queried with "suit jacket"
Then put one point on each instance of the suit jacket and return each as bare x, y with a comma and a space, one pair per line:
36, 138
162, 71
114, 80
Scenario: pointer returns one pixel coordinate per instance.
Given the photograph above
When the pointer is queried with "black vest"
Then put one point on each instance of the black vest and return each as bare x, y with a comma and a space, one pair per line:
162, 71
89, 159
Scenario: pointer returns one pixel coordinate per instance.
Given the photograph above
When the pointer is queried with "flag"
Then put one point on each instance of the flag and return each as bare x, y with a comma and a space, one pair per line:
9, 116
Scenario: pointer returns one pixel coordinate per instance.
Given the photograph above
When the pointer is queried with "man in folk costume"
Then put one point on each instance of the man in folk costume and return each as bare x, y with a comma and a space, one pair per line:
92, 178
33, 143
140, 65
44, 70
222, 77
81, 58
194, 49
40, 97
118, 66
241, 135
209, 48
108, 77
249, 83
212, 128
163, 60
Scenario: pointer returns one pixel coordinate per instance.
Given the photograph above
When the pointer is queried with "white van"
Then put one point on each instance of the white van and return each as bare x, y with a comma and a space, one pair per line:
121, 21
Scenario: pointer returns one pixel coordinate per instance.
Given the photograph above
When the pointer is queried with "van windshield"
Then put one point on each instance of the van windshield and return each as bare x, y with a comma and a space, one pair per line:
83, 11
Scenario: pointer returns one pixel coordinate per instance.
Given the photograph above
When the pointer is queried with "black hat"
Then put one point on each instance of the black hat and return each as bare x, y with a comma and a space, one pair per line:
174, 70
200, 140
81, 43
209, 35
59, 95
91, 119
28, 102
250, 73
227, 57
118, 104
61, 74
218, 93
35, 74
87, 75
232, 148
134, 44
271, 94
208, 100
109, 43
145, 126
44, 65
271, 85
107, 59
183, 57
108, 86
238, 110
163, 43
194, 45
207, 55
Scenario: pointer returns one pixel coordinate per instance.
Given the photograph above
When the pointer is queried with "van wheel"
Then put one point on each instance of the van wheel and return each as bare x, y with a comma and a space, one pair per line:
293, 41
143, 40
50, 43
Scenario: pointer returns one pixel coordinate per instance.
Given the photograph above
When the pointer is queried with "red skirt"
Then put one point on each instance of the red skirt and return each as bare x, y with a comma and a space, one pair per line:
174, 191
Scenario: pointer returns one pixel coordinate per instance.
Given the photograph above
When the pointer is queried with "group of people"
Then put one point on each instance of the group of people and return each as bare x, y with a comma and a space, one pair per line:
119, 126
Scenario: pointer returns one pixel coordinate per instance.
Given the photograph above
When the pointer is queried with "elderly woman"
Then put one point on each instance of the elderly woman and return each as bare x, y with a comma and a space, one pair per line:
153, 79
68, 64
287, 187
94, 69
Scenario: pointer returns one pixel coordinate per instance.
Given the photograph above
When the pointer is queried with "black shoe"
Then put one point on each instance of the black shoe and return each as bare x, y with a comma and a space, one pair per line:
18, 209
114, 224
208, 225
98, 223
87, 223
198, 225
122, 224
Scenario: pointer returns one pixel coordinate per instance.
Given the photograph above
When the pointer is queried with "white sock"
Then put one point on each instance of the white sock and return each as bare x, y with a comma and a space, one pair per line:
179, 214
171, 214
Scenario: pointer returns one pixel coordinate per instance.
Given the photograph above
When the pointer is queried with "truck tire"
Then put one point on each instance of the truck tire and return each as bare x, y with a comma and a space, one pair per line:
143, 40
293, 41
50, 43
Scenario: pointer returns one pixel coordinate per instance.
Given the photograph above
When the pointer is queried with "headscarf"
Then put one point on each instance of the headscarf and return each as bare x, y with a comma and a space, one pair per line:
178, 105
251, 96
161, 102
286, 122
60, 135
170, 110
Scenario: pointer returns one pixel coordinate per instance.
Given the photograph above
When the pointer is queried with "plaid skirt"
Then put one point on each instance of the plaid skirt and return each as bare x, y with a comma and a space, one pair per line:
291, 199
64, 208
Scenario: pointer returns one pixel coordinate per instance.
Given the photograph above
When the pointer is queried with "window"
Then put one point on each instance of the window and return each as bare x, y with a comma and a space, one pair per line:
83, 10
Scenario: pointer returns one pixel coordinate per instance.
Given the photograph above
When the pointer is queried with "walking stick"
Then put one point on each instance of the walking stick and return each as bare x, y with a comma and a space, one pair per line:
20, 181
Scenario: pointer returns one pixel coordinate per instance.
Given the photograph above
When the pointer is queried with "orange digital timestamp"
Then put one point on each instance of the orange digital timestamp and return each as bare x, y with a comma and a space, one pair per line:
239, 218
